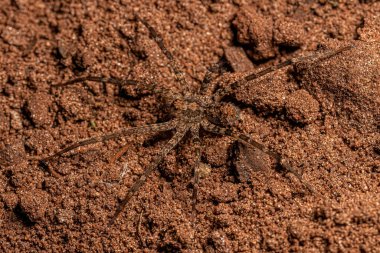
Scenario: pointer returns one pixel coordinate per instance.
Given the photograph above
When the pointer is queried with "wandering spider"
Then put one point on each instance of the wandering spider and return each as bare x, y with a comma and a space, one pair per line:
192, 113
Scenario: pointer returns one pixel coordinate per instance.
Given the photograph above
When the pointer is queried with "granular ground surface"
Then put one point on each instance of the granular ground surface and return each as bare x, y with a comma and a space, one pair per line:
321, 115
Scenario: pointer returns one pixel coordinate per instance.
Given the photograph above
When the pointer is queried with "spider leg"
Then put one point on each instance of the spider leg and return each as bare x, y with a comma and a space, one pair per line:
197, 142
172, 143
127, 131
221, 93
97, 79
245, 139
179, 75
218, 68
196, 176
212, 128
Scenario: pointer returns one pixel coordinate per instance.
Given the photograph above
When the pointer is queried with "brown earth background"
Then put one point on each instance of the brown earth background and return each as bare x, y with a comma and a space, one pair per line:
323, 116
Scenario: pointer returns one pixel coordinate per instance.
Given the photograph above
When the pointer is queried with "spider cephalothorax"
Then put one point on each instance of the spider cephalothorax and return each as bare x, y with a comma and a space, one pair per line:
192, 113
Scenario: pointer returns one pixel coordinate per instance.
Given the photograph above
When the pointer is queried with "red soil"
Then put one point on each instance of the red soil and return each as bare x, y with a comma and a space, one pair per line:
323, 116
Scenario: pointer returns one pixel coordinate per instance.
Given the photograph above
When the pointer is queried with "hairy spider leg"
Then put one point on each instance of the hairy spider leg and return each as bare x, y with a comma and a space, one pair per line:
138, 230
99, 79
172, 143
127, 131
197, 142
196, 176
245, 139
218, 68
113, 80
221, 93
173, 65
164, 92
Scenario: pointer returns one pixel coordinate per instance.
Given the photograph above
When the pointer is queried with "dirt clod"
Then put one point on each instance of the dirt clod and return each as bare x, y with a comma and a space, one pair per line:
10, 199
301, 107
37, 108
33, 204
288, 33
254, 31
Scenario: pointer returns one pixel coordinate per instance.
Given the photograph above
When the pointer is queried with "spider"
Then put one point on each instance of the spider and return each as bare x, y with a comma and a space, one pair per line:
192, 113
